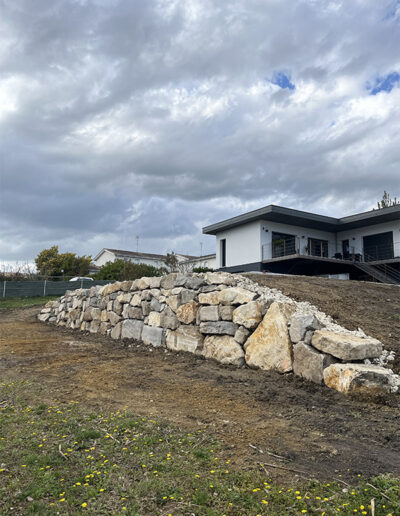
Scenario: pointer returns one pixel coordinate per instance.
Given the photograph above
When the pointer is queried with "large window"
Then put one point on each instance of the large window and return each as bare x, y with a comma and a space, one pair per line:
317, 247
223, 252
378, 247
283, 244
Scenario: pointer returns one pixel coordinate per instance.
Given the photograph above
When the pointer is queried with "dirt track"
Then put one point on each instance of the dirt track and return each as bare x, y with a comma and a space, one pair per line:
319, 431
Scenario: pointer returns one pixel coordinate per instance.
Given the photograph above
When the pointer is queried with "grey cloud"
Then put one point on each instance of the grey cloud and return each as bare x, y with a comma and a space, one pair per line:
124, 117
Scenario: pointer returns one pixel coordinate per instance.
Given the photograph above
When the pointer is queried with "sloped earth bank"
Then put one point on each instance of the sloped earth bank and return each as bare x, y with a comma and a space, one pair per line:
320, 432
374, 307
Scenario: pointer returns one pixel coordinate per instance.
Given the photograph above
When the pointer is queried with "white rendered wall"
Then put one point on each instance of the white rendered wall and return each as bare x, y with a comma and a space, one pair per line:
359, 233
243, 245
105, 257
298, 231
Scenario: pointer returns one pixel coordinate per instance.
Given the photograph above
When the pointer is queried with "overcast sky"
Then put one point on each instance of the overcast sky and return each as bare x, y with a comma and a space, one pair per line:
121, 118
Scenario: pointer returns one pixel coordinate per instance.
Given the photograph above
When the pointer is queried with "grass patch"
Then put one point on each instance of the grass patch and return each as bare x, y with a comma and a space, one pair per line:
61, 458
24, 302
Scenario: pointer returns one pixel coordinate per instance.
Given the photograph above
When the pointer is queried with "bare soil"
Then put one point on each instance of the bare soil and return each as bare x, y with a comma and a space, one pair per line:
374, 307
320, 432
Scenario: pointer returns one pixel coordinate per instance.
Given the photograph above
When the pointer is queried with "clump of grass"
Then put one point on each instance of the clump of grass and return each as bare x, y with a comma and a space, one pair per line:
25, 302
60, 458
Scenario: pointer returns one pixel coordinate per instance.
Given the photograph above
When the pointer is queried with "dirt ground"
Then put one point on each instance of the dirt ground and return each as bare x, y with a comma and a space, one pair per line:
320, 432
374, 307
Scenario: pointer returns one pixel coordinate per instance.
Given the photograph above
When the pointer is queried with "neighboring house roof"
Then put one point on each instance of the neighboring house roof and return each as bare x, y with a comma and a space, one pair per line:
307, 219
204, 257
149, 256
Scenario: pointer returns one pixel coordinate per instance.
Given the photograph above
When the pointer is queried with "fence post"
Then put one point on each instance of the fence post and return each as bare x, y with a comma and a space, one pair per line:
44, 288
81, 283
4, 288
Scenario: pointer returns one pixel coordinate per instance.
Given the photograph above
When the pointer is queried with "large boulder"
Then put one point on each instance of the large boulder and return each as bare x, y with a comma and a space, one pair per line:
300, 324
218, 328
309, 363
360, 379
236, 296
209, 298
345, 346
131, 329
187, 313
208, 313
219, 278
224, 349
269, 347
167, 282
248, 315
153, 336
185, 338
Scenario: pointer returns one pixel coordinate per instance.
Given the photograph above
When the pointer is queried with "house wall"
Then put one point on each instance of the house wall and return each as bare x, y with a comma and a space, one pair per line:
355, 236
243, 245
298, 231
105, 257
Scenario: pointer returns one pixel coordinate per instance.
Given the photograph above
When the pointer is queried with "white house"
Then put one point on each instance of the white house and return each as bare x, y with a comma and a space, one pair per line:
187, 262
278, 239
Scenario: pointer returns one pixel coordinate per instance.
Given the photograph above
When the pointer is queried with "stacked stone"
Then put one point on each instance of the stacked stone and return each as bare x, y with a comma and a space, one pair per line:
230, 319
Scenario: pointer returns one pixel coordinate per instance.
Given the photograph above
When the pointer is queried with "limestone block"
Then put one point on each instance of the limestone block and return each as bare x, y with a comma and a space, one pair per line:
346, 347
155, 305
248, 315
236, 296
194, 282
269, 347
224, 349
87, 314
44, 317
113, 318
168, 281
111, 288
109, 306
145, 307
136, 300
187, 313
173, 302
209, 313
218, 328
96, 314
218, 278
226, 312
134, 312
126, 286
154, 292
104, 316
154, 319
169, 321
124, 297
116, 331
131, 329
94, 326
210, 298
180, 280
153, 336
300, 324
117, 307
185, 338
187, 296
154, 282
241, 335
360, 379
309, 363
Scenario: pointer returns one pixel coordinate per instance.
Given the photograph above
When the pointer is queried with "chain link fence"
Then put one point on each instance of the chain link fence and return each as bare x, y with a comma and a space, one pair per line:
29, 288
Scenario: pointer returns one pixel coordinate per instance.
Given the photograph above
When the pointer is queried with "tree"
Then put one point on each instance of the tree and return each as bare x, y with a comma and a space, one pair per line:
50, 262
386, 201
123, 271
171, 262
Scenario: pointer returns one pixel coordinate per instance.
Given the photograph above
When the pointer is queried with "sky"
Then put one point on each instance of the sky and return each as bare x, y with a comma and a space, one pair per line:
155, 118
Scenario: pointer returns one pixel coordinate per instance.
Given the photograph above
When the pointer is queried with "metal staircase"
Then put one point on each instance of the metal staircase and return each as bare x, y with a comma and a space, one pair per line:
381, 272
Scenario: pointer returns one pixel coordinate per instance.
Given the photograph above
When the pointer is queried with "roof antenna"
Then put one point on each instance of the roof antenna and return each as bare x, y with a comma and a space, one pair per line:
201, 248
137, 243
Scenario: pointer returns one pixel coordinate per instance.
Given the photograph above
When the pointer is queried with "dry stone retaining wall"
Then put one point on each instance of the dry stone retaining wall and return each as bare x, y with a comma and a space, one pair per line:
232, 320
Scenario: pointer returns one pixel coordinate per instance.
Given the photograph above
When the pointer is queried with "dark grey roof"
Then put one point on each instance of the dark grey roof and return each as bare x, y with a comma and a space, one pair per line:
306, 219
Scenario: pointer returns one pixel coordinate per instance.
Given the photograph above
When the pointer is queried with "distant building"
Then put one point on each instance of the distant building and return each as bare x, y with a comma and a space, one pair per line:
187, 262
